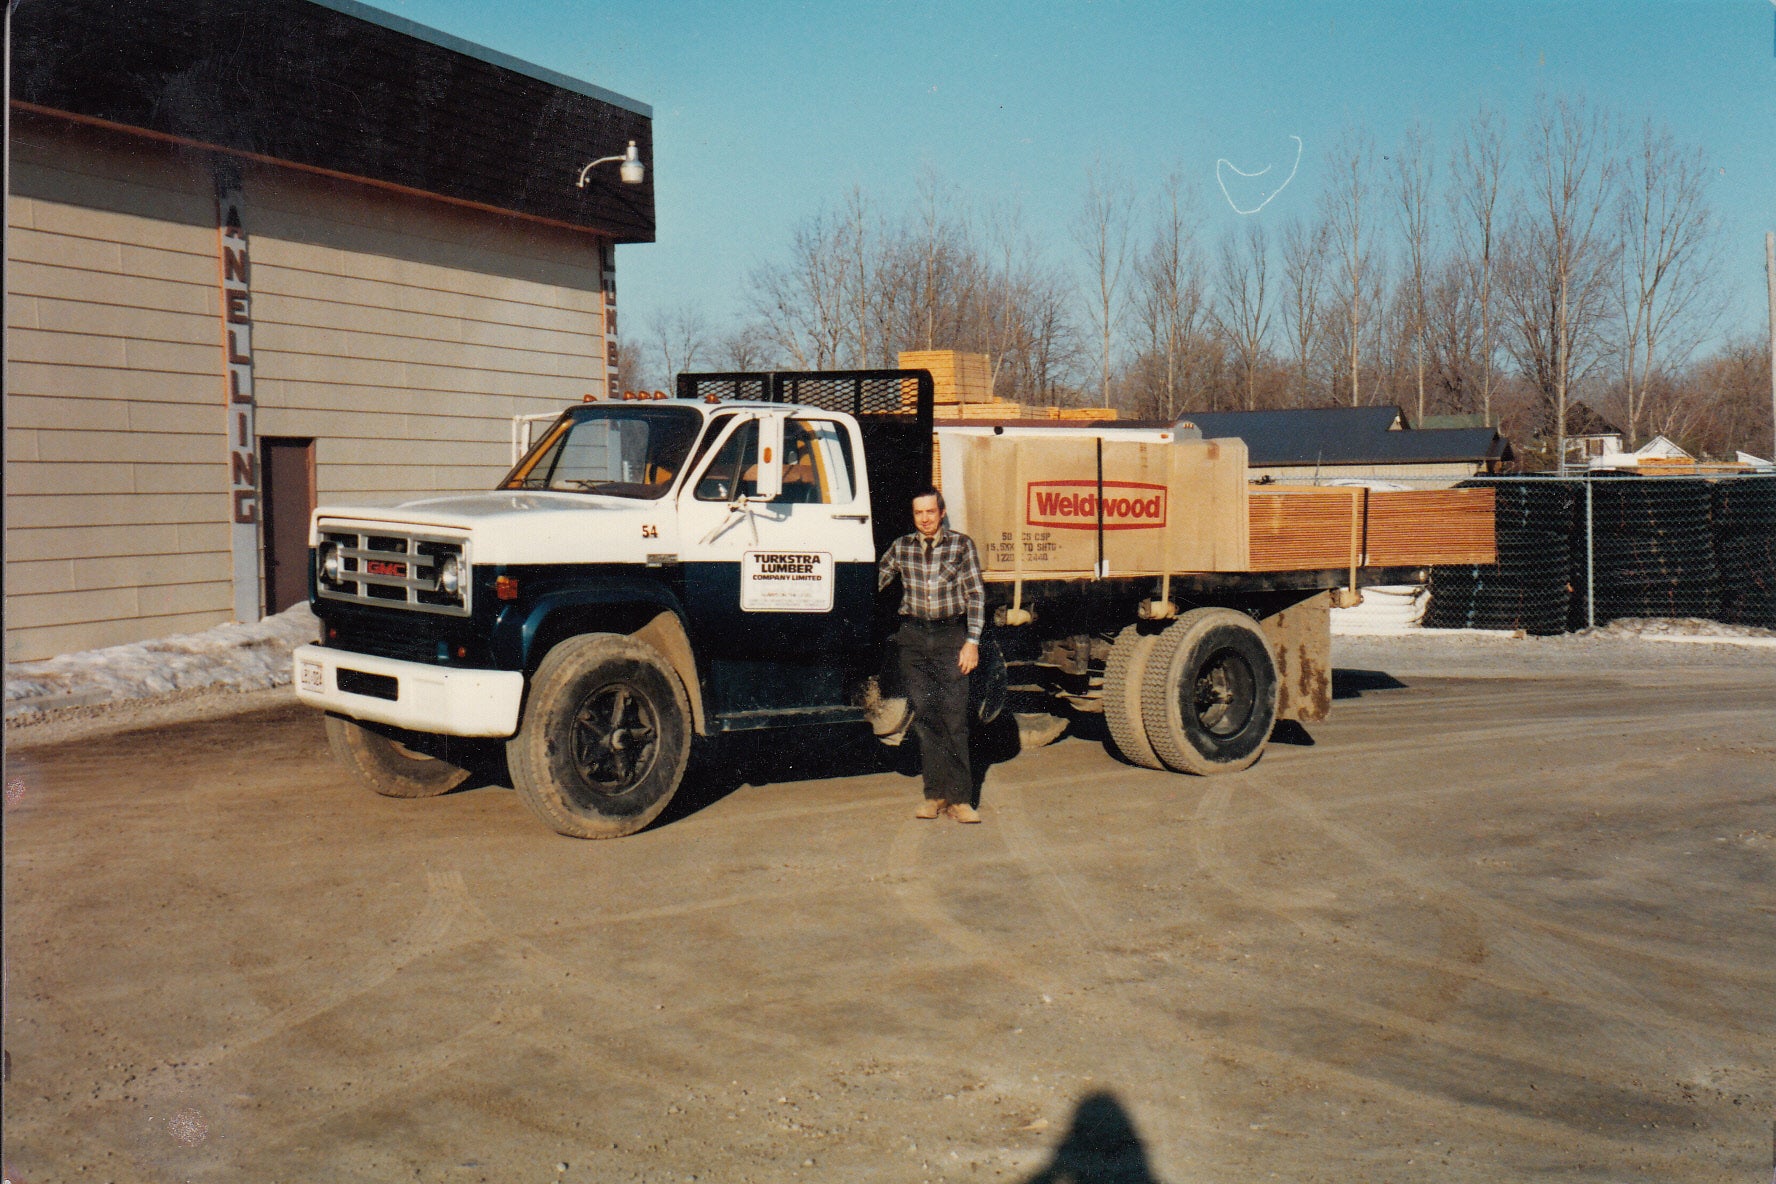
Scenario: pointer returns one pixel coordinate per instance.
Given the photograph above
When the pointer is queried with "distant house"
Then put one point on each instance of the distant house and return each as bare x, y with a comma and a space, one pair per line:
1657, 452
1589, 436
1331, 443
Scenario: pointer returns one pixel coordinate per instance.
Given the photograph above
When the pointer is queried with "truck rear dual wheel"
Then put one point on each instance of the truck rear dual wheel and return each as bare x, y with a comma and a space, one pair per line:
605, 739
1124, 674
388, 766
1209, 692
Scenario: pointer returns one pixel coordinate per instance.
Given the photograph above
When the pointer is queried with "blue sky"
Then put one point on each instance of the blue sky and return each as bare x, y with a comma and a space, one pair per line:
766, 112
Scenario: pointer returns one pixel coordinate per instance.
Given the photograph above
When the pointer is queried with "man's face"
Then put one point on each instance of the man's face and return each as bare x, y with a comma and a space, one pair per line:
927, 515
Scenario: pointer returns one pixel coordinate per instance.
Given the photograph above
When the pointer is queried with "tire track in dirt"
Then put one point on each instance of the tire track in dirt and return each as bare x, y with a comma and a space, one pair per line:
1153, 1008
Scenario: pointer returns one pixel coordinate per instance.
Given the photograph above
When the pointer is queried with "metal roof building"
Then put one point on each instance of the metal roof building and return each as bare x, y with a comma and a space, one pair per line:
1344, 442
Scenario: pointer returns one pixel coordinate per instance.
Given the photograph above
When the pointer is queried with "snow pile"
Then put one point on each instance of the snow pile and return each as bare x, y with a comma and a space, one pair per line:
228, 657
1682, 629
1395, 608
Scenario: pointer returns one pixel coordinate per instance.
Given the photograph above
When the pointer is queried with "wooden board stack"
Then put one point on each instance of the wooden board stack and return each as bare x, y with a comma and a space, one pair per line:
1296, 528
1412, 528
956, 377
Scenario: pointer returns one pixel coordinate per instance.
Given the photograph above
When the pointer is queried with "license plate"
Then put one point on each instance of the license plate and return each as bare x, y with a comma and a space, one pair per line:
312, 677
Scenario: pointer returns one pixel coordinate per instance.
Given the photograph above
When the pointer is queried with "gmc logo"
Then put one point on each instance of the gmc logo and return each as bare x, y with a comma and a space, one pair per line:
1074, 505
382, 567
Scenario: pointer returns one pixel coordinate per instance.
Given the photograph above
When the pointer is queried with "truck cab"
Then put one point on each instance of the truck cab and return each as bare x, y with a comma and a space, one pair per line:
652, 569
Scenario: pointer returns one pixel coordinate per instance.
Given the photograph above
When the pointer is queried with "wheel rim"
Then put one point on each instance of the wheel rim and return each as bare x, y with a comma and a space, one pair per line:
616, 736
1224, 693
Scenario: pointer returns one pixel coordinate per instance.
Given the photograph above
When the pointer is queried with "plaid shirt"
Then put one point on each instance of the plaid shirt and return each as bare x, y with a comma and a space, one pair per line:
938, 579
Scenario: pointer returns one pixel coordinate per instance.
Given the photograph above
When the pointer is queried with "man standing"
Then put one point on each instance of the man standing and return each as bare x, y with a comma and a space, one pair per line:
942, 610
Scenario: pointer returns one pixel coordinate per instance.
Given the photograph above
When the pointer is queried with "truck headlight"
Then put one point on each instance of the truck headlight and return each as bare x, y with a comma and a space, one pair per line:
331, 565
450, 576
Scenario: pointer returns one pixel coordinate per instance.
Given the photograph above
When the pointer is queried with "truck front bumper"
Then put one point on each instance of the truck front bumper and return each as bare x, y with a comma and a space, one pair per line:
413, 695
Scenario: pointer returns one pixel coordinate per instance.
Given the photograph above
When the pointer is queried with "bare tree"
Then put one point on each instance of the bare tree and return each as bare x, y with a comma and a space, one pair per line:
1304, 275
1563, 255
1478, 168
1454, 340
677, 339
1412, 177
1664, 298
745, 348
934, 271
1102, 231
1242, 311
1169, 298
802, 303
859, 233
1345, 206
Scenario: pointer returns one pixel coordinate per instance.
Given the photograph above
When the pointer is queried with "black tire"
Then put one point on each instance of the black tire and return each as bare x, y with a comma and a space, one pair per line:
1210, 692
1125, 672
387, 766
605, 739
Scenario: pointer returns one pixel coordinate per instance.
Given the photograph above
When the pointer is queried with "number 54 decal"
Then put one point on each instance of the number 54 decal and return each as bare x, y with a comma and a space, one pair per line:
649, 531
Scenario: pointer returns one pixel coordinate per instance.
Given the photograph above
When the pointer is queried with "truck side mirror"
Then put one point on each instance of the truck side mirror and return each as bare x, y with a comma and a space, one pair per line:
769, 484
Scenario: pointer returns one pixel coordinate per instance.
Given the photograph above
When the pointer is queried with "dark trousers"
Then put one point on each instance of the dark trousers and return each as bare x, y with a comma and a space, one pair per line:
938, 693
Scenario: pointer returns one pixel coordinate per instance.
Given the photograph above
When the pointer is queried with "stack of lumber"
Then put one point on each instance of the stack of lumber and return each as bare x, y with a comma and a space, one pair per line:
956, 377
1412, 528
1299, 528
962, 389
1303, 528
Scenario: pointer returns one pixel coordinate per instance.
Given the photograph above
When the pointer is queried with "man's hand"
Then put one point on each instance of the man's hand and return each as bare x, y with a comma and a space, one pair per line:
969, 658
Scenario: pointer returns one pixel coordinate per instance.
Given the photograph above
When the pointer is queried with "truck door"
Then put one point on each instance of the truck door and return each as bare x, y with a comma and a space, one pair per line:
779, 563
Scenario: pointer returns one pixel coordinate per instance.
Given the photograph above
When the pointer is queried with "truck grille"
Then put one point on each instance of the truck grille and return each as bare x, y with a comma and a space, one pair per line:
394, 570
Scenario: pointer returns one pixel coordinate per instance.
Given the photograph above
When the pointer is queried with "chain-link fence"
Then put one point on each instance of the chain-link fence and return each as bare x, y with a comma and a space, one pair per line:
1574, 553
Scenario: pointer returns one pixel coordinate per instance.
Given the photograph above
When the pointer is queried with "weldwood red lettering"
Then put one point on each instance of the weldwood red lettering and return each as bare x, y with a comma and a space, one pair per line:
1075, 505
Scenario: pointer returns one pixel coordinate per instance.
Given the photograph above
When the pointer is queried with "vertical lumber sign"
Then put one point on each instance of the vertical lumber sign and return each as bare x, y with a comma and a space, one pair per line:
607, 254
243, 444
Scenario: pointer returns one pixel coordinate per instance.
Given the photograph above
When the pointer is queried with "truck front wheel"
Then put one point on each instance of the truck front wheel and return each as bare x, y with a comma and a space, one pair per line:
387, 766
605, 739
1209, 693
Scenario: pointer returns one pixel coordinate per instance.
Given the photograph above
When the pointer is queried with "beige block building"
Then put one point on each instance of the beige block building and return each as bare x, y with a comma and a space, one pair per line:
180, 392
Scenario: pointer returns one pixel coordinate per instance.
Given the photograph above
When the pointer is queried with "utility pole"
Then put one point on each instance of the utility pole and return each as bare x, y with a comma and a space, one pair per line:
1770, 272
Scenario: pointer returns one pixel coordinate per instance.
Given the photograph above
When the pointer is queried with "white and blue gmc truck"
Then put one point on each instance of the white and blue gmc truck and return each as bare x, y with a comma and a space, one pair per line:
659, 571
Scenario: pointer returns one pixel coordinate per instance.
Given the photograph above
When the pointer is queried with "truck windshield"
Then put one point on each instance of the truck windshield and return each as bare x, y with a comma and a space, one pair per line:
620, 450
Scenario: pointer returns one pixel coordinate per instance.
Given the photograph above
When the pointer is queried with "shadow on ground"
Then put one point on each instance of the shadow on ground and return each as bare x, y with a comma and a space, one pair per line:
1100, 1147
1350, 684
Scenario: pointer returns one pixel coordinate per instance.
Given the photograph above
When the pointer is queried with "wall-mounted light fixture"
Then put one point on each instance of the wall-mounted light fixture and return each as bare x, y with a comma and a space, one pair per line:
631, 170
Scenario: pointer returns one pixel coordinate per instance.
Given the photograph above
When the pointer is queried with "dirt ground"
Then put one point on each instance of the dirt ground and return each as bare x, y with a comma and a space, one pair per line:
1510, 914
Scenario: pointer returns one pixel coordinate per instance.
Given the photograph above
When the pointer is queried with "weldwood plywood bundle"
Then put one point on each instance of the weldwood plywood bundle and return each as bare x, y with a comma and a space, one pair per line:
1039, 509
956, 377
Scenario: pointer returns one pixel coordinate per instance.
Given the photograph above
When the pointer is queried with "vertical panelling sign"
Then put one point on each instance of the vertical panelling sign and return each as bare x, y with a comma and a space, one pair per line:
607, 254
243, 446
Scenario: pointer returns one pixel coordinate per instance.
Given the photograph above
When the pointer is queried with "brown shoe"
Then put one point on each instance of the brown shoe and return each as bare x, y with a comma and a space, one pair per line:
930, 808
963, 812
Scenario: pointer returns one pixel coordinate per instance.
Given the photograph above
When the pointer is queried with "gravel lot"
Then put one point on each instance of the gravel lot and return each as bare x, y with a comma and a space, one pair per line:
1509, 914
